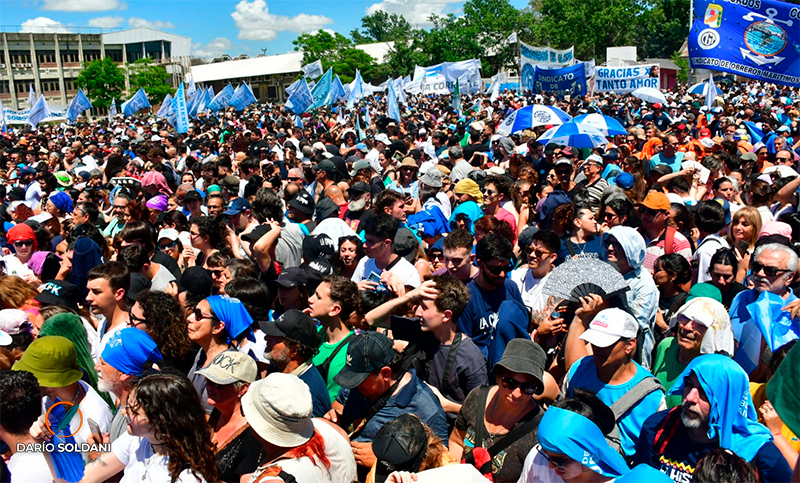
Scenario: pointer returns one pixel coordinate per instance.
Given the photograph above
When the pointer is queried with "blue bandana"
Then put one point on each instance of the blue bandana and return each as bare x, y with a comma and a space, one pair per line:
129, 349
62, 201
233, 314
733, 417
565, 432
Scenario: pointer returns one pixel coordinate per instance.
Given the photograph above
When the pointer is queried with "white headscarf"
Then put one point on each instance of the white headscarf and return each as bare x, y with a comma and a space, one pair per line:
712, 315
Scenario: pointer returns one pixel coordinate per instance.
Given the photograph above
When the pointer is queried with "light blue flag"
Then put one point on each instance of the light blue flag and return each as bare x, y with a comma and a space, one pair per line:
392, 109
359, 131
193, 102
366, 117
205, 98
79, 104
312, 70
112, 109
322, 89
242, 97
301, 99
210, 94
166, 106
221, 100
298, 121
337, 91
756, 134
457, 98
356, 90
294, 86
190, 91
135, 103
31, 95
180, 111
38, 112
711, 92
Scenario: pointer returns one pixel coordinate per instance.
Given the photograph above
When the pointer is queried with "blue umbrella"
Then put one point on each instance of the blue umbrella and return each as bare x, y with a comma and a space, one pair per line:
699, 89
532, 116
574, 135
605, 124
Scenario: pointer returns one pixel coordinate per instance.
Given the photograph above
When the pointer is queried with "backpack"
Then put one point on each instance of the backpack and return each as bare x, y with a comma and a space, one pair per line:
624, 404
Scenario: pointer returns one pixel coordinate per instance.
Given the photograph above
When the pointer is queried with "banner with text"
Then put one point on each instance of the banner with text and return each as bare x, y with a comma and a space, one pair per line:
21, 116
530, 57
626, 78
759, 39
441, 78
566, 80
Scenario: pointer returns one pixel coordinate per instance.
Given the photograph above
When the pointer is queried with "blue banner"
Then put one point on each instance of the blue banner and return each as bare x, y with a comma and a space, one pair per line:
79, 104
392, 108
322, 89
759, 39
135, 103
300, 98
221, 100
38, 112
566, 80
180, 111
242, 97
166, 106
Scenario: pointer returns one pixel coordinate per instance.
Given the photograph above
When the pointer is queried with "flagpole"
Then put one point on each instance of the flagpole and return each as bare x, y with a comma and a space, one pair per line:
691, 24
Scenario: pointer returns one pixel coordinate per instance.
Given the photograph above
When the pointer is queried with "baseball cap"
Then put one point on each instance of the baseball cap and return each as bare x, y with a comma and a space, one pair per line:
237, 206
303, 202
256, 233
624, 180
319, 246
293, 324
168, 233
432, 178
359, 187
655, 200
563, 162
362, 147
317, 270
293, 277
657, 105
229, 367
326, 165
59, 292
383, 138
405, 244
14, 321
279, 409
368, 352
609, 326
192, 195
594, 159
400, 445
129, 350
197, 281
359, 165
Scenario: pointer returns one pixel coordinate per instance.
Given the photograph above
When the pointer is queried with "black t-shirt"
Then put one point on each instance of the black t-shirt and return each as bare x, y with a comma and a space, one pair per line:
681, 454
727, 297
240, 456
357, 219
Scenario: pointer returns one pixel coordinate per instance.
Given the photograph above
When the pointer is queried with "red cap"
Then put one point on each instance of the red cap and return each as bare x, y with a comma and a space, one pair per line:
657, 105
705, 133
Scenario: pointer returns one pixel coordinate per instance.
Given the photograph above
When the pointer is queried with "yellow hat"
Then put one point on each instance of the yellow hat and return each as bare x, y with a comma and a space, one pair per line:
471, 188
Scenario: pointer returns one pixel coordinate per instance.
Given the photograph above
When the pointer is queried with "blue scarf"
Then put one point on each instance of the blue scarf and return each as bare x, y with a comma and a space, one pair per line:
733, 417
565, 432
233, 314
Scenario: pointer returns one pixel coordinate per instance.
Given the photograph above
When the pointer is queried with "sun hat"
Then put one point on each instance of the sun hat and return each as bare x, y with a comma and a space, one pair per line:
229, 367
523, 356
53, 360
279, 409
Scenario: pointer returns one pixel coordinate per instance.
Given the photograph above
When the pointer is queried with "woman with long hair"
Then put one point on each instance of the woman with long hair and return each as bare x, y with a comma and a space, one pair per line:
15, 293
758, 194
161, 316
351, 251
582, 234
670, 273
209, 236
727, 272
168, 438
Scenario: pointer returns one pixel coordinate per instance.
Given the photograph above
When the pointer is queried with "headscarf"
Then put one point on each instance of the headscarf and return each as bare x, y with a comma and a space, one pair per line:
648, 150
232, 312
471, 210
569, 433
62, 201
86, 256
713, 316
471, 188
70, 326
21, 232
631, 242
157, 179
157, 202
733, 417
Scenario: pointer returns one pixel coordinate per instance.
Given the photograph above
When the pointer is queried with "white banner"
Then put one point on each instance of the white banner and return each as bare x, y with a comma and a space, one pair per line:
441, 78
627, 78
21, 116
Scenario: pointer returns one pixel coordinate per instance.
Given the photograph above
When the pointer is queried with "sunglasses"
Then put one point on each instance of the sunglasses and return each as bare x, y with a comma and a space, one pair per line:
756, 267
559, 462
540, 253
199, 315
783, 160
512, 384
294, 179
435, 256
489, 192
498, 270
23, 243
168, 246
216, 273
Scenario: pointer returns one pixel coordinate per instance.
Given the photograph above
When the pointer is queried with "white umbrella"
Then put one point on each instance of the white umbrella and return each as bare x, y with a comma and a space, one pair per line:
605, 124
649, 94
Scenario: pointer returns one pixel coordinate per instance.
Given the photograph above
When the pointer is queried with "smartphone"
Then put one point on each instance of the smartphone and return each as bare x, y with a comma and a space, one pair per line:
95, 428
743, 247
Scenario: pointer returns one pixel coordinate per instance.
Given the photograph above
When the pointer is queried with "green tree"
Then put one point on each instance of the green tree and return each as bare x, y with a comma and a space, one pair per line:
381, 27
337, 52
154, 79
683, 63
102, 80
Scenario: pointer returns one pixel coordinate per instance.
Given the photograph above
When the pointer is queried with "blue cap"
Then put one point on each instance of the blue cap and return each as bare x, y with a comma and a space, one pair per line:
237, 206
129, 349
624, 181
362, 147
27, 170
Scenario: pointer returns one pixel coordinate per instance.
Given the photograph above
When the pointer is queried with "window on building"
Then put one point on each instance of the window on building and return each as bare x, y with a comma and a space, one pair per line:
69, 85
20, 56
2, 57
22, 88
272, 92
46, 56
5, 89
70, 57
50, 86
116, 55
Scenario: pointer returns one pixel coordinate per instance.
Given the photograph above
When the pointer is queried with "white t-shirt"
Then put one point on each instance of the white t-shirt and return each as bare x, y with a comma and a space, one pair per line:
335, 228
536, 469
92, 406
338, 451
161, 281
109, 333
708, 247
13, 266
403, 269
456, 473
93, 337
29, 467
530, 288
141, 464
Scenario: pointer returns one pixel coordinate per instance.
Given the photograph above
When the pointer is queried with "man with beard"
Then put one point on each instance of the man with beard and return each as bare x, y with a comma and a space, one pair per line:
359, 208
292, 341
716, 411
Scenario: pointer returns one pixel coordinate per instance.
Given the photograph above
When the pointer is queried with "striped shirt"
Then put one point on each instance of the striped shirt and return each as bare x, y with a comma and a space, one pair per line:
655, 249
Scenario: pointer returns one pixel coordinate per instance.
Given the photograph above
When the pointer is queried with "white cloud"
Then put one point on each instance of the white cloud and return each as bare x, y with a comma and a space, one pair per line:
330, 31
40, 25
415, 11
213, 49
136, 22
108, 22
83, 5
256, 23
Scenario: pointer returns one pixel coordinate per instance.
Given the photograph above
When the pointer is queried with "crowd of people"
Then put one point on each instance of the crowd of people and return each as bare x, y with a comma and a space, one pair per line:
271, 297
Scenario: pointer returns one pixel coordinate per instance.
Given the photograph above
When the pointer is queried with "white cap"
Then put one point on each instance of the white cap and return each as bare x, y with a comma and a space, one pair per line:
168, 233
595, 158
383, 138
155, 138
609, 326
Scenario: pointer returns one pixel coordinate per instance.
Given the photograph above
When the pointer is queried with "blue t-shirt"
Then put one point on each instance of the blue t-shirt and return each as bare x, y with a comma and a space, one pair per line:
591, 245
673, 162
583, 374
319, 391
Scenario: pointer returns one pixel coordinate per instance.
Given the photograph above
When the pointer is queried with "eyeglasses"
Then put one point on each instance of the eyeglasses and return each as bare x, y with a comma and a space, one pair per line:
551, 176
498, 269
783, 160
768, 271
608, 216
133, 321
294, 178
199, 315
171, 245
540, 253
216, 273
23, 243
489, 192
559, 462
512, 384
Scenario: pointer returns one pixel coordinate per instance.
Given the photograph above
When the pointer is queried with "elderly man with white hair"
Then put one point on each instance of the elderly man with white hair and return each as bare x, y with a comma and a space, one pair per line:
757, 316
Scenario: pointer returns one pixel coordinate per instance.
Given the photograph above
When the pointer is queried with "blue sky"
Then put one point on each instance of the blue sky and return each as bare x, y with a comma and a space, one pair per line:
216, 27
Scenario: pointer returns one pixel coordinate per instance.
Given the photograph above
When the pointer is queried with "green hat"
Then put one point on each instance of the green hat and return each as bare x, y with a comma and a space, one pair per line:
52, 359
705, 289
782, 390
214, 188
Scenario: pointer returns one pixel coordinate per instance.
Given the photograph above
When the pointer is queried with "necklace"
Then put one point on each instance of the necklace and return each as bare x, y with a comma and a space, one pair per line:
76, 395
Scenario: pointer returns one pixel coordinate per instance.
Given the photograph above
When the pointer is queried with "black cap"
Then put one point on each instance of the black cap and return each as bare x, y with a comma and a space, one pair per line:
303, 202
192, 195
317, 270
368, 352
400, 445
197, 281
59, 292
293, 277
405, 243
325, 208
326, 165
293, 324
359, 187
319, 246
16, 194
